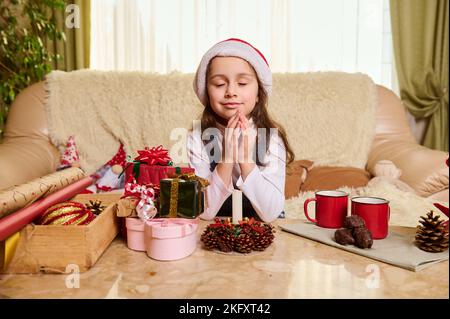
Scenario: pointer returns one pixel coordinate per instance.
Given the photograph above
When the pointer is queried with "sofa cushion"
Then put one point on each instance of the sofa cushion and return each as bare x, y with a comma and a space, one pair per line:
295, 175
328, 177
424, 169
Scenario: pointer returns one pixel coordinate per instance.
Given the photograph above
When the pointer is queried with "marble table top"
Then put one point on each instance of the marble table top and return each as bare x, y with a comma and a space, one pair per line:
292, 267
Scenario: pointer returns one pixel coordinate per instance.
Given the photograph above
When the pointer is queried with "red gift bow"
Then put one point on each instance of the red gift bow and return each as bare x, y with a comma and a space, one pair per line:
133, 189
154, 156
146, 194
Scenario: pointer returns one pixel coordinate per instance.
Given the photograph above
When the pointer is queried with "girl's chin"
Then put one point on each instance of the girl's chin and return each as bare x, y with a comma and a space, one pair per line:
227, 114
224, 115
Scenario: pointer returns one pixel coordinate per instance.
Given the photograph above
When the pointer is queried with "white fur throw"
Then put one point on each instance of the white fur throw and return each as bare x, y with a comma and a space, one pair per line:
329, 117
102, 108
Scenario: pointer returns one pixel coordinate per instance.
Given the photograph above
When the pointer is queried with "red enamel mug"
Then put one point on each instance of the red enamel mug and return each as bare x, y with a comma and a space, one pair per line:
375, 212
331, 208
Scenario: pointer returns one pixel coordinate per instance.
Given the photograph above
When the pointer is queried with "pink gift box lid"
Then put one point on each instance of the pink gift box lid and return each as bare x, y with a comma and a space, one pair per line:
134, 224
164, 228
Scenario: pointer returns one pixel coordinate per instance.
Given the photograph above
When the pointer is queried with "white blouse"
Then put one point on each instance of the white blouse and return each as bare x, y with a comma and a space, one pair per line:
264, 186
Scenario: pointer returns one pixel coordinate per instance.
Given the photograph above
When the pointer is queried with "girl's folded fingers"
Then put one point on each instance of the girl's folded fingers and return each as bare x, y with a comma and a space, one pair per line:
231, 119
235, 121
244, 120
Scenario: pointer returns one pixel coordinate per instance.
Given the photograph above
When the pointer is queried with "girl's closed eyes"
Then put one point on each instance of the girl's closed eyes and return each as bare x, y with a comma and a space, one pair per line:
222, 84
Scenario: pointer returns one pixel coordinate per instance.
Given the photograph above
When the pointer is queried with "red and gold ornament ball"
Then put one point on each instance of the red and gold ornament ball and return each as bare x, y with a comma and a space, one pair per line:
67, 213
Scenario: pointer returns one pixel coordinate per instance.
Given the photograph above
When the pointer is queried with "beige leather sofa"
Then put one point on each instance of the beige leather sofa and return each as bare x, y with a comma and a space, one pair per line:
26, 152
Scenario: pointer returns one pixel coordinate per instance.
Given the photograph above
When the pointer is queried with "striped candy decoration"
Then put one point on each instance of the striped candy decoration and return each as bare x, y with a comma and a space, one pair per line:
67, 213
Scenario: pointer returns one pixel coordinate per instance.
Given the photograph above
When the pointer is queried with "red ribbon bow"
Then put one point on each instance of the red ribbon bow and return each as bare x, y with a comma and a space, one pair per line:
154, 156
133, 189
253, 224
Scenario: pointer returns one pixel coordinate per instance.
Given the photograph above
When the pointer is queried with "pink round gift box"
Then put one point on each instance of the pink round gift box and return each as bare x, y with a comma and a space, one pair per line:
135, 233
170, 238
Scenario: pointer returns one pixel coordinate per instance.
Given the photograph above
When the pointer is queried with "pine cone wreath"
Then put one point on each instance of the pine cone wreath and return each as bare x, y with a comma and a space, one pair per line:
432, 236
95, 206
249, 235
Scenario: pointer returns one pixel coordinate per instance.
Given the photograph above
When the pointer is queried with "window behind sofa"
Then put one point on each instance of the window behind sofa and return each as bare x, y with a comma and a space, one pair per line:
295, 35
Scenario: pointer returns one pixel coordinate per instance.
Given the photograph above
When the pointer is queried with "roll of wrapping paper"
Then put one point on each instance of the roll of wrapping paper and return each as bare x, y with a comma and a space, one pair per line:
20, 196
15, 221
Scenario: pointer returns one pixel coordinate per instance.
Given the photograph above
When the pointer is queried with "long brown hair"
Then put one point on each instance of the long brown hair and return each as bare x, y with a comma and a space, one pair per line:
261, 119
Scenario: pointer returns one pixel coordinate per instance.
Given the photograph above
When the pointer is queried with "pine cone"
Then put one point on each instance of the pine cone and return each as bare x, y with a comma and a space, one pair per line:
225, 239
95, 207
243, 243
209, 239
263, 240
226, 243
432, 235
218, 235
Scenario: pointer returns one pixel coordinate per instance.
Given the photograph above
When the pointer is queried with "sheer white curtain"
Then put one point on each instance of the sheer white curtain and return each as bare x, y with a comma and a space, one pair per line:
294, 35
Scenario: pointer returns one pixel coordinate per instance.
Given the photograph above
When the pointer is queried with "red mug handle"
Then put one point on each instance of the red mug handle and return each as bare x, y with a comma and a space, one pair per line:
305, 208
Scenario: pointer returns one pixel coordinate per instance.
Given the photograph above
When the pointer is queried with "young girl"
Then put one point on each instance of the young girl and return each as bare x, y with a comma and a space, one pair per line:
238, 145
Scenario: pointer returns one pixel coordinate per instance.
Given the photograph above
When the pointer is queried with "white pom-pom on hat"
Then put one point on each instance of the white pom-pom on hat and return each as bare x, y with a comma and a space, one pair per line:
235, 48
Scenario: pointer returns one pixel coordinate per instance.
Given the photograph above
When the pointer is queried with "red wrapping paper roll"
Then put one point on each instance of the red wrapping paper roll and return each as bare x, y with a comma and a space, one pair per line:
14, 222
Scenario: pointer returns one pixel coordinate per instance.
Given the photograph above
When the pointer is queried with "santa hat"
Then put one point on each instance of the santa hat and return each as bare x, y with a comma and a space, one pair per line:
119, 158
235, 48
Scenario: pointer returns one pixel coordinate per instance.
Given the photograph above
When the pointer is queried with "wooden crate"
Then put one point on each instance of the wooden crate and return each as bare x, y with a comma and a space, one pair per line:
106, 198
51, 249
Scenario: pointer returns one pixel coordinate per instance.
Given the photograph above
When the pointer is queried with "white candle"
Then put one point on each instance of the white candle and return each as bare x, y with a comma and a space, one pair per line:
237, 206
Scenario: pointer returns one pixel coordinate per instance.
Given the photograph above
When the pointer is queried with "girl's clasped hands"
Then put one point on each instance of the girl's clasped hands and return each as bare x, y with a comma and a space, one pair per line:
237, 149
